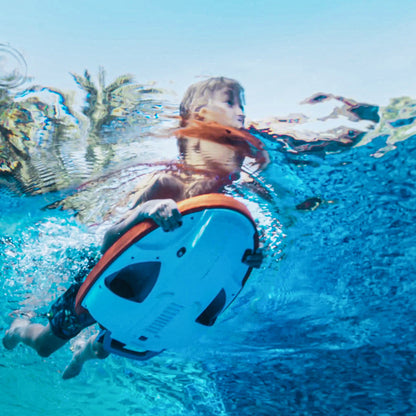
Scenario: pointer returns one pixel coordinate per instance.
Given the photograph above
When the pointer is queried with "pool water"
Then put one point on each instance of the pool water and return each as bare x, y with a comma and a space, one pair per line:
325, 327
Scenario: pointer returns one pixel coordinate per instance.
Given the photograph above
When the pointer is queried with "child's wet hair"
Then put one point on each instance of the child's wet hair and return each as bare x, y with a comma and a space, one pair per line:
198, 94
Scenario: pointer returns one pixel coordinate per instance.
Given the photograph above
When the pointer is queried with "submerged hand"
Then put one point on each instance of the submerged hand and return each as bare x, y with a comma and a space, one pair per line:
164, 212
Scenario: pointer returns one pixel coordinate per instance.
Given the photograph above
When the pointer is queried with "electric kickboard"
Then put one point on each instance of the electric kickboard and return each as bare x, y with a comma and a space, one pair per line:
154, 290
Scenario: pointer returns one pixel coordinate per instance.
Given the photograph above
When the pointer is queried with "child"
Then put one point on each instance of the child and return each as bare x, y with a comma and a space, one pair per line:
213, 147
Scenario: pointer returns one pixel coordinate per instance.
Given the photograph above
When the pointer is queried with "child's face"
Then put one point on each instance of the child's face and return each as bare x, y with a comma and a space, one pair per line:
224, 108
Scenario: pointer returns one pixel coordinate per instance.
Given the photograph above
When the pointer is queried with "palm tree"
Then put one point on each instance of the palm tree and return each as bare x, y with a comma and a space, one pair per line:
46, 145
117, 101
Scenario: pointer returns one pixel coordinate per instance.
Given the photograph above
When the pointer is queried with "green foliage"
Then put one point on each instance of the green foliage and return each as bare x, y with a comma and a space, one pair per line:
46, 144
397, 123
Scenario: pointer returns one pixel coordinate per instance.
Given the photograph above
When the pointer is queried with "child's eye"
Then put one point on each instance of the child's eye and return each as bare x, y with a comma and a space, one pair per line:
230, 103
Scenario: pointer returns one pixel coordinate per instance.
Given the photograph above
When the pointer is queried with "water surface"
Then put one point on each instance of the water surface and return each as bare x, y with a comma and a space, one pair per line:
325, 327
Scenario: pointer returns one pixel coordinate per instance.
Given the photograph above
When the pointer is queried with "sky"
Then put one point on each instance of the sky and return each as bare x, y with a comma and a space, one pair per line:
281, 51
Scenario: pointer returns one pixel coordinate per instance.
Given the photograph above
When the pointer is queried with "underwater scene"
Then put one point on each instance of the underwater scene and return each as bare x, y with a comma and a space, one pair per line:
326, 324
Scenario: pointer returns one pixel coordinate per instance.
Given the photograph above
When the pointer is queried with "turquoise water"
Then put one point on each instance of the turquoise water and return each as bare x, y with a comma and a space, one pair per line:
325, 327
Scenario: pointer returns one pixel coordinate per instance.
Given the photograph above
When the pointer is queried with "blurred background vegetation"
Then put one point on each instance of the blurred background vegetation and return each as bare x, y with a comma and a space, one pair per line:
48, 142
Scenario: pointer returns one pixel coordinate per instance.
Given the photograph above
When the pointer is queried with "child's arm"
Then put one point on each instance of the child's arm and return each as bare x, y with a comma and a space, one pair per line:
163, 186
156, 202
164, 212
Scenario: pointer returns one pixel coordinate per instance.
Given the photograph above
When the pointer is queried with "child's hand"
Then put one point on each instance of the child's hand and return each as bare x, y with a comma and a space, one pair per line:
164, 212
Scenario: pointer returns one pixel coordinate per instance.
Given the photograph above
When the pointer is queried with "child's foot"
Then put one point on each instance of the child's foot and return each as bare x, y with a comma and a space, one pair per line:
12, 336
75, 366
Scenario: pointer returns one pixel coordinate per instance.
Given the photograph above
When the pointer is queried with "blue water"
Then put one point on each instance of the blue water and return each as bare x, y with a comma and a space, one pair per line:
325, 327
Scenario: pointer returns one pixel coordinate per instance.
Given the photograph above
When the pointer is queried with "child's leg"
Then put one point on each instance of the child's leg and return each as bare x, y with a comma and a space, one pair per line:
63, 325
37, 336
84, 351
